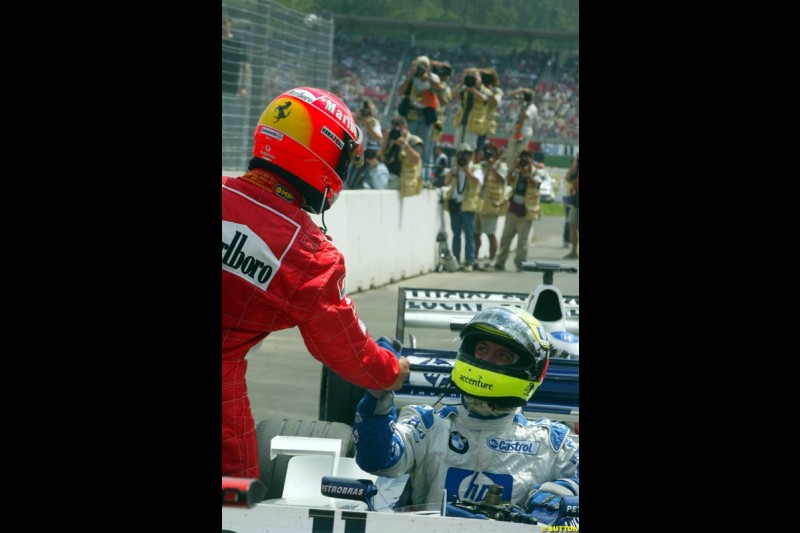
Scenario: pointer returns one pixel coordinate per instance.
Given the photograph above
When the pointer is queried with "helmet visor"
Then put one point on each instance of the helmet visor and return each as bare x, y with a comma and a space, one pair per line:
353, 153
511, 329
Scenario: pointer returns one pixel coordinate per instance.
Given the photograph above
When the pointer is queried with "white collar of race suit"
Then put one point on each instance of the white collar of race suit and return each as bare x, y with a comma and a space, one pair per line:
470, 419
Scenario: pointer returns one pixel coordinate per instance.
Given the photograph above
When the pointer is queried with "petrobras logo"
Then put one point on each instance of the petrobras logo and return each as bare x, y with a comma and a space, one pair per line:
340, 490
574, 509
333, 137
246, 255
517, 446
269, 132
302, 95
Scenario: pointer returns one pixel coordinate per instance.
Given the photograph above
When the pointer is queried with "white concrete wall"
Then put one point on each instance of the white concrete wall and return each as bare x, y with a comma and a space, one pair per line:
384, 238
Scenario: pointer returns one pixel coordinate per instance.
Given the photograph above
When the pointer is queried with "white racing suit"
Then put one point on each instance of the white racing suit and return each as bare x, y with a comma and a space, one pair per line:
449, 449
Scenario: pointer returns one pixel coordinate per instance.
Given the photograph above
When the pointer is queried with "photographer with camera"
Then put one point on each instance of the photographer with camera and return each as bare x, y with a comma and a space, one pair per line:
445, 94
373, 140
522, 132
470, 119
490, 79
493, 202
401, 153
421, 86
523, 209
370, 125
440, 165
463, 198
373, 174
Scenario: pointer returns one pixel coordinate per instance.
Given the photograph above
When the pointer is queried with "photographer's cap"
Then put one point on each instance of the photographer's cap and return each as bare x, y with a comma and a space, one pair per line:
465, 147
425, 60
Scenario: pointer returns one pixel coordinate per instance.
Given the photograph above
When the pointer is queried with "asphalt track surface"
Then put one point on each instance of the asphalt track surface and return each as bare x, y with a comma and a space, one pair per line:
283, 380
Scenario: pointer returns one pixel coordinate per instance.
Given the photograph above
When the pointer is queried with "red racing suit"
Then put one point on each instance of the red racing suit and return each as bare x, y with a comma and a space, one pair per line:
279, 271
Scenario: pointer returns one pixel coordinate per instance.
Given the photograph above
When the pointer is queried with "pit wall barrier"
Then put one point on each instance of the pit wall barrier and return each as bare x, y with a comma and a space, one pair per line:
384, 238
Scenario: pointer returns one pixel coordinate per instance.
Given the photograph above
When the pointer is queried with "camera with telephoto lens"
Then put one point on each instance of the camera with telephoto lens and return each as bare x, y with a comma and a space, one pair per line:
469, 80
462, 159
420, 71
394, 134
443, 70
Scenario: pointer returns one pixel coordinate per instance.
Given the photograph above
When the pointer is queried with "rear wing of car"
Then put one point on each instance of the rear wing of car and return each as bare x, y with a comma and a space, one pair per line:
442, 308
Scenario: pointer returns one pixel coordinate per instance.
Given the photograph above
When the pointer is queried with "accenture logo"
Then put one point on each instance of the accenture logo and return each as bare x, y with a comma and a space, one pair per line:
476, 382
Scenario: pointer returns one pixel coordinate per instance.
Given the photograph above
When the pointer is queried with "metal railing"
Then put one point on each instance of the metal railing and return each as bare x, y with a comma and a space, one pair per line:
284, 49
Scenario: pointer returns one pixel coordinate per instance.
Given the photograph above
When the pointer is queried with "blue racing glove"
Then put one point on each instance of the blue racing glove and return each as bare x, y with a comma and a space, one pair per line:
544, 502
393, 345
385, 398
452, 510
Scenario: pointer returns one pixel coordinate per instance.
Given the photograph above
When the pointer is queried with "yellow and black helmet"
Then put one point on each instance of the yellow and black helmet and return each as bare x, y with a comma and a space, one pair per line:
505, 386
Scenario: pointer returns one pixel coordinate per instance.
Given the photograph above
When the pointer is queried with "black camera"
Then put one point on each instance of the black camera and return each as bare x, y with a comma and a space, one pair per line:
442, 70
469, 80
394, 134
420, 71
486, 79
462, 159
488, 153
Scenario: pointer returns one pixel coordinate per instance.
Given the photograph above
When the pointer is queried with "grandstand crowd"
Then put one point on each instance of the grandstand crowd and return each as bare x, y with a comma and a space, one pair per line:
370, 68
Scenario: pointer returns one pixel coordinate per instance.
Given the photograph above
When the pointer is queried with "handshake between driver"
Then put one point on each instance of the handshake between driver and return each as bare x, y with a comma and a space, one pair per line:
394, 346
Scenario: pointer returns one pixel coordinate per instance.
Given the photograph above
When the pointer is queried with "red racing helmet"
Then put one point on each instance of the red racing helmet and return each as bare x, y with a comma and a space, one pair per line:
309, 136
